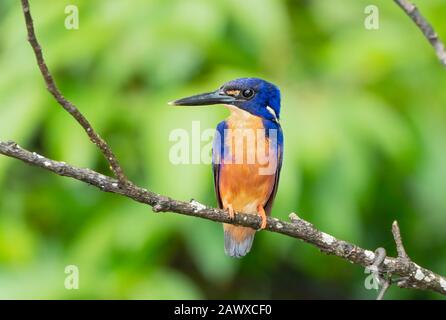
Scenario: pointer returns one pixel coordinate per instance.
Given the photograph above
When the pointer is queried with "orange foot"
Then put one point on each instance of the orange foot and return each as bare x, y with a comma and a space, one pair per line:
263, 215
231, 211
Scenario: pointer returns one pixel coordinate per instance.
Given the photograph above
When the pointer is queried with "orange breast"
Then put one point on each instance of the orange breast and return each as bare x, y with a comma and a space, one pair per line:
244, 183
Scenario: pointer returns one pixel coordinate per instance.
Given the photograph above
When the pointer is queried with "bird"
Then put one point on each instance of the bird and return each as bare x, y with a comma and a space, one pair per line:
246, 155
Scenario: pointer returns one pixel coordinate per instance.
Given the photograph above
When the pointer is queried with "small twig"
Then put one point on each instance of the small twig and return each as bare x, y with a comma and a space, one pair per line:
380, 255
67, 105
399, 242
425, 27
383, 281
385, 286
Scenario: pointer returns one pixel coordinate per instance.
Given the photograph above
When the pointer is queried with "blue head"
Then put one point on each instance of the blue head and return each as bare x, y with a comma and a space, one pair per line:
253, 95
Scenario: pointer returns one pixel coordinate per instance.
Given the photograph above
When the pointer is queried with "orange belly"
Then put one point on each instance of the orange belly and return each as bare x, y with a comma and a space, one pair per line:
244, 188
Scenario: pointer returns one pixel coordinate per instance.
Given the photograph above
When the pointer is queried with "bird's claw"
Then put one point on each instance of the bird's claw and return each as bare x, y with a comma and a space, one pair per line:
262, 213
231, 212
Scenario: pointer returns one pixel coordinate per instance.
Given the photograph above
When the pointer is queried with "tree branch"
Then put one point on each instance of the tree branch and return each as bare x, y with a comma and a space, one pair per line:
413, 275
67, 105
425, 27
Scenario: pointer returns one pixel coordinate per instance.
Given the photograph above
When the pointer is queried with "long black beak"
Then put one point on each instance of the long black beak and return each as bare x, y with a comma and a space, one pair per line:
205, 99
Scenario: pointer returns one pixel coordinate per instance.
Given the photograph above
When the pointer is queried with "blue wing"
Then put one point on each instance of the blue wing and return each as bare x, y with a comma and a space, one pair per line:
217, 155
273, 125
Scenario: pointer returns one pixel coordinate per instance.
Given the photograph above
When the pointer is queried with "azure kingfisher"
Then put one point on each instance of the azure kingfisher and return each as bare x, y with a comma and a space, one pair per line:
243, 184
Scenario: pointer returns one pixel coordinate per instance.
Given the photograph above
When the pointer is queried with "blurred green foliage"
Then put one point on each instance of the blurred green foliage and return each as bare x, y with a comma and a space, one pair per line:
363, 114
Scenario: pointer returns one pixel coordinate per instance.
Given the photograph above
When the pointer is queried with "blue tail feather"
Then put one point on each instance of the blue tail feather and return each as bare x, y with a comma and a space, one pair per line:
238, 249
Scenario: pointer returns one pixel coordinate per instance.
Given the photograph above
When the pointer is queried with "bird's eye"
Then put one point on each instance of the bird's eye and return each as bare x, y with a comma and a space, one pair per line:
247, 93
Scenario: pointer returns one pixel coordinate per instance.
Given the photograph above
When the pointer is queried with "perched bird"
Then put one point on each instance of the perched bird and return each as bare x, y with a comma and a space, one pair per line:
247, 153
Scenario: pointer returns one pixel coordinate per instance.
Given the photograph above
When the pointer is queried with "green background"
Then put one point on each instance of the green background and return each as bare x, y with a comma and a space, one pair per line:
363, 114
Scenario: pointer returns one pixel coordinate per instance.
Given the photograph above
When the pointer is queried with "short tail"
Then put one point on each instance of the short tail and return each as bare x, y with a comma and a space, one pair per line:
238, 240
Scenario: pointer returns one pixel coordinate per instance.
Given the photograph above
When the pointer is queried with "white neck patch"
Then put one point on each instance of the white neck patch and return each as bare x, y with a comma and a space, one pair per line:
273, 113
